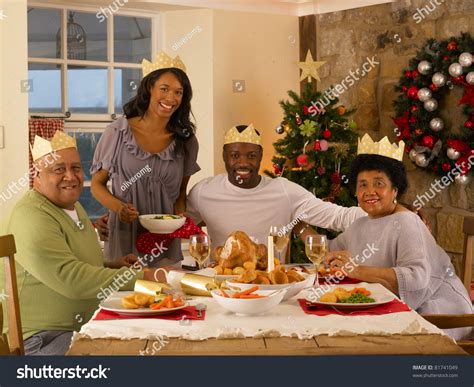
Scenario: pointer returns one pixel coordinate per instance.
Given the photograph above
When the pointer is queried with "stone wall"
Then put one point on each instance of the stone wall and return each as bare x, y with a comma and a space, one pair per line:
389, 32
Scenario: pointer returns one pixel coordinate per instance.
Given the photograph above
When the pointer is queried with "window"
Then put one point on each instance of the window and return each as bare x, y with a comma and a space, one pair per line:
89, 65
82, 63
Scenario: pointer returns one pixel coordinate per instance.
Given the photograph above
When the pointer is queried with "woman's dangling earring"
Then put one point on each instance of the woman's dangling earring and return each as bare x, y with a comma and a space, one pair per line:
395, 201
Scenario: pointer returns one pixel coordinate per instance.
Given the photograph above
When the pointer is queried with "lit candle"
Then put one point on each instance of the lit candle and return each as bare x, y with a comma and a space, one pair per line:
271, 257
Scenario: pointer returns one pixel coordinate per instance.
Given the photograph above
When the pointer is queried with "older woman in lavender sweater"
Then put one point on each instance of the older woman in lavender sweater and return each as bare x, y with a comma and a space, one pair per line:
399, 251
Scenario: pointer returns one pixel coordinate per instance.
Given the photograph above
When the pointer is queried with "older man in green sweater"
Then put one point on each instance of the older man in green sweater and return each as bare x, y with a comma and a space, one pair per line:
60, 265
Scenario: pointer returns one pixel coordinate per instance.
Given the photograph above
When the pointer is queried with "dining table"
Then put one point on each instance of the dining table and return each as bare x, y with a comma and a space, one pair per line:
288, 330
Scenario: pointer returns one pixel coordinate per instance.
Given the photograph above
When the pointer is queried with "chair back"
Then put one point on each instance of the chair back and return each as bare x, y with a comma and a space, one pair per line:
15, 336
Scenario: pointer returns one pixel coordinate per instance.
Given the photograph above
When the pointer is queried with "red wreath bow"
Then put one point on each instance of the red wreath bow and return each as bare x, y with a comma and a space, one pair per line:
468, 97
403, 123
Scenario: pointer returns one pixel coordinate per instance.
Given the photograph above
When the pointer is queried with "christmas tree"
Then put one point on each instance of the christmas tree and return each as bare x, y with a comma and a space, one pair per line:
318, 146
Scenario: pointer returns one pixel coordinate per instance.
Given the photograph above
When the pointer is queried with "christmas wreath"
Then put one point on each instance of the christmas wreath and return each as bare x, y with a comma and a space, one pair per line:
430, 141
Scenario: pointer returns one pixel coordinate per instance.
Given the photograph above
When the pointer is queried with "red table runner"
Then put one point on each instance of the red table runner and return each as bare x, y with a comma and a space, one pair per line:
394, 306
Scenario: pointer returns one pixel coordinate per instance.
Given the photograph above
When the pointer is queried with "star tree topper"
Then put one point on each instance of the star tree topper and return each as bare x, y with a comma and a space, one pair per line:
310, 68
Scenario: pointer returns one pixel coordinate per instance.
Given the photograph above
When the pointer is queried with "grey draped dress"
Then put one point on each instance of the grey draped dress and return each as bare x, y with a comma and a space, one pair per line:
150, 181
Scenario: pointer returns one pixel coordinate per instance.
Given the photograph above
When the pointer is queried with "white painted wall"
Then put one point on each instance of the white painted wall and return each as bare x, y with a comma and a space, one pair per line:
13, 102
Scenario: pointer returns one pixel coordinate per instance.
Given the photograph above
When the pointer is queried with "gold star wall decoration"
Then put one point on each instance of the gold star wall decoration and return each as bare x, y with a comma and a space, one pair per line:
310, 68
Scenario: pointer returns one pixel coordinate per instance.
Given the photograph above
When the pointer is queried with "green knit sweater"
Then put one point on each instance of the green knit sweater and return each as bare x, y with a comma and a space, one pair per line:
60, 268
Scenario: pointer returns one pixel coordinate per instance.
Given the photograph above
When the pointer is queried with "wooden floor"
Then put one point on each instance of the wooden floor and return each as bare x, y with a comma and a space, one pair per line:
321, 345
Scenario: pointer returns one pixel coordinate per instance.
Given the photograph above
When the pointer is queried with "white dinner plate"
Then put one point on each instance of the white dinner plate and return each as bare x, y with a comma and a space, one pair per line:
379, 293
114, 304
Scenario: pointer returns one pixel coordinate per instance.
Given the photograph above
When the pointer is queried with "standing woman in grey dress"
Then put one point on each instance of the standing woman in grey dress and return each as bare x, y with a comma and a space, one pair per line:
393, 247
149, 156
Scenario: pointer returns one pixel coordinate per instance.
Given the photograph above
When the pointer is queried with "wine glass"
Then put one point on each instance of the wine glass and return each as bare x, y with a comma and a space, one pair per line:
316, 247
280, 240
200, 248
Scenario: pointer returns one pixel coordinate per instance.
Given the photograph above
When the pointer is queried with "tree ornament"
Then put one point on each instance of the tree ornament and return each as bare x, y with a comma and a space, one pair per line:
336, 178
413, 92
468, 124
308, 128
412, 154
455, 69
414, 74
433, 87
324, 145
287, 127
446, 167
445, 58
277, 169
352, 125
424, 94
439, 79
424, 67
452, 46
414, 108
465, 59
436, 124
428, 141
418, 131
462, 179
430, 105
302, 160
341, 110
404, 89
453, 154
408, 74
321, 171
327, 133
279, 129
317, 146
470, 77
421, 160
299, 121
435, 168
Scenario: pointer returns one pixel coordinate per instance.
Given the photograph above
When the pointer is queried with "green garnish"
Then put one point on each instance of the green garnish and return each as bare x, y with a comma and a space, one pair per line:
357, 298
167, 217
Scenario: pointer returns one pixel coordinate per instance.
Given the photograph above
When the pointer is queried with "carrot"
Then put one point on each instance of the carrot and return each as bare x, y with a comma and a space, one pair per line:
169, 301
245, 292
247, 296
178, 302
157, 305
224, 294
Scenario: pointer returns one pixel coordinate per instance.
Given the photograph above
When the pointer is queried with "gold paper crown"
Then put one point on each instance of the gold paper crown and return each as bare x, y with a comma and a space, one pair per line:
41, 147
162, 61
248, 135
382, 148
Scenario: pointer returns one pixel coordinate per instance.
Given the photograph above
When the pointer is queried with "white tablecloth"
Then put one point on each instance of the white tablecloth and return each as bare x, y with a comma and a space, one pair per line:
287, 319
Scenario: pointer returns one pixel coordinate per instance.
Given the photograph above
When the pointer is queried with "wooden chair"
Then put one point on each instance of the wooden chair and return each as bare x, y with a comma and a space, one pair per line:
14, 344
468, 254
449, 321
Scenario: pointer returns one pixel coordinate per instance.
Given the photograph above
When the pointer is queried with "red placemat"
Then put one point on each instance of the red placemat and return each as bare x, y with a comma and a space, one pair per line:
394, 306
336, 281
188, 313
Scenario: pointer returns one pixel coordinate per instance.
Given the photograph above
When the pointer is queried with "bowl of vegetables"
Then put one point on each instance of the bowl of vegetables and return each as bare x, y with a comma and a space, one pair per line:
162, 223
249, 301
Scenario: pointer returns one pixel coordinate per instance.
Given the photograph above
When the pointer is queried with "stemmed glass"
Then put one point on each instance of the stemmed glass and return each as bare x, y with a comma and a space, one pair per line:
280, 240
316, 247
200, 248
